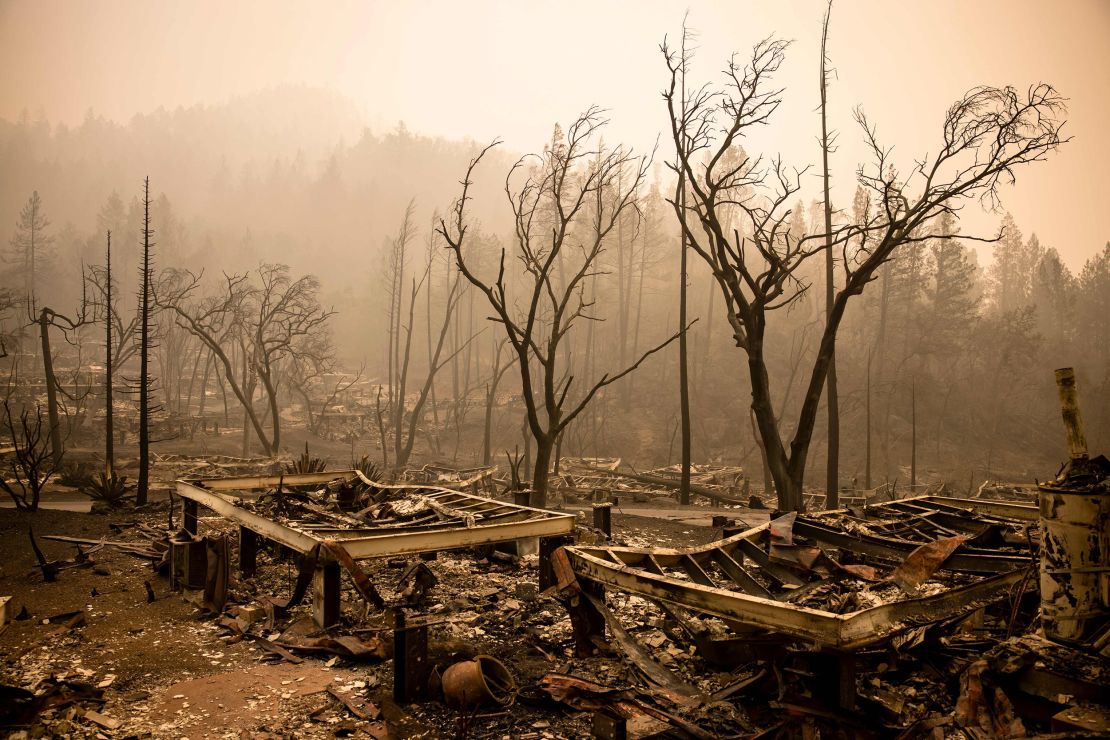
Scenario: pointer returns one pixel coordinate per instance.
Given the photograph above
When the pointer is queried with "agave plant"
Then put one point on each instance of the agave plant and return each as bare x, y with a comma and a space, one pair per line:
110, 488
306, 463
367, 467
75, 474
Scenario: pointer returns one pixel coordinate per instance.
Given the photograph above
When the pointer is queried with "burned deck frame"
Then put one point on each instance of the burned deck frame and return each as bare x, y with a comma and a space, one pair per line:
456, 520
641, 571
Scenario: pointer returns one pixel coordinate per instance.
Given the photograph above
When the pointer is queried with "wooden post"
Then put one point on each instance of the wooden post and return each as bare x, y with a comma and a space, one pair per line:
548, 545
248, 551
325, 594
189, 515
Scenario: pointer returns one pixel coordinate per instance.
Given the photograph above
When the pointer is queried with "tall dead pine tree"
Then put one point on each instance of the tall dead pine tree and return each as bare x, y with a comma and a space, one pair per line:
144, 353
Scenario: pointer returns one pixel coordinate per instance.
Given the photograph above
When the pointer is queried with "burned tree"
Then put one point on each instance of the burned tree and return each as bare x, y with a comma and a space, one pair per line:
47, 318
259, 322
832, 475
565, 202
33, 461
144, 352
986, 135
109, 378
120, 344
497, 370
405, 420
312, 360
402, 419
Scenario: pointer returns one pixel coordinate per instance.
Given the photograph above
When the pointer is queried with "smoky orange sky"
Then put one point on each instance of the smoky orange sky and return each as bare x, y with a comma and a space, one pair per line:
512, 69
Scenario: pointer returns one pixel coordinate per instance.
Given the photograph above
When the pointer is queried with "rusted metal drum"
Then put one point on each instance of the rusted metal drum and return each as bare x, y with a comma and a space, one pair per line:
479, 682
1075, 559
1075, 531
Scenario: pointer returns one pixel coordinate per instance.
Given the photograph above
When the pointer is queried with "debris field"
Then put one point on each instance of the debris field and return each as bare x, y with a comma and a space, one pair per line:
331, 604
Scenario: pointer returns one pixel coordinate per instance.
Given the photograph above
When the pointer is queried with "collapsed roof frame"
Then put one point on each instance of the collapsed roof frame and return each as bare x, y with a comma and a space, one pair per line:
641, 571
454, 520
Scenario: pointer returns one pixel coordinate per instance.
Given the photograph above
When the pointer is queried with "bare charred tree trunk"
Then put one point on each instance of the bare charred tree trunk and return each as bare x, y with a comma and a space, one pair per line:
109, 412
405, 433
56, 448
832, 478
867, 428
397, 256
250, 416
880, 346
491, 399
683, 353
143, 482
639, 303
204, 385
428, 327
913, 434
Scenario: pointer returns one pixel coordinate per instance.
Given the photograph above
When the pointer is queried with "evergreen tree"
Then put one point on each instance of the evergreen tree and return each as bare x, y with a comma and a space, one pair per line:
1005, 279
953, 303
30, 245
1053, 293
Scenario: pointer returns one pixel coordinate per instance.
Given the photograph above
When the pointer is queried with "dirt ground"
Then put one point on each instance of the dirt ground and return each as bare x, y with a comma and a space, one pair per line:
168, 670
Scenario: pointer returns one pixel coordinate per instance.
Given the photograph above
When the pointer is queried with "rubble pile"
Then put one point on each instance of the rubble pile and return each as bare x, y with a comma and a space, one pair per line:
601, 479
371, 609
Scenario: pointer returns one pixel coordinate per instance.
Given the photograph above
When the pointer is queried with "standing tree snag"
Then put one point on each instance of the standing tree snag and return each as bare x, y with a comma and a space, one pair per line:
832, 473
46, 318
565, 202
145, 291
109, 376
985, 136
284, 311
267, 320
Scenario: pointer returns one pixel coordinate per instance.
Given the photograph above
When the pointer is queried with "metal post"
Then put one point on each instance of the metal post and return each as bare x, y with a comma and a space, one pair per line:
603, 518
325, 594
410, 660
608, 725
